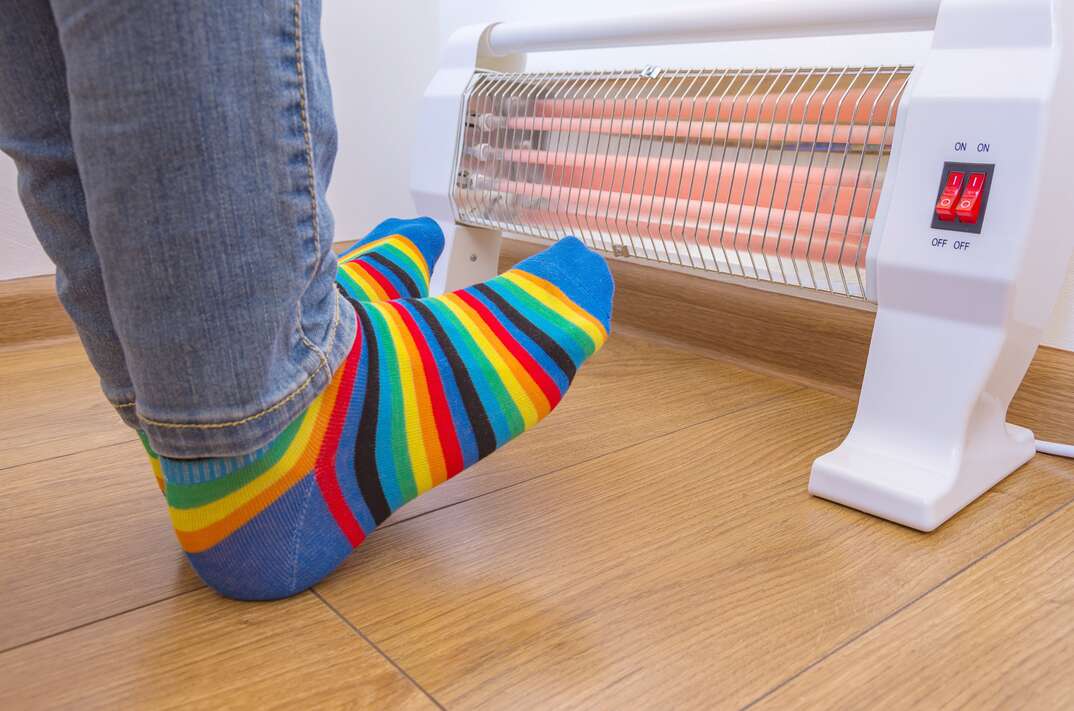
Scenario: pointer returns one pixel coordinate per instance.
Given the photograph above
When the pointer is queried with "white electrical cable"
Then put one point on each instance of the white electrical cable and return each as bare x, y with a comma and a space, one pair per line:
1059, 450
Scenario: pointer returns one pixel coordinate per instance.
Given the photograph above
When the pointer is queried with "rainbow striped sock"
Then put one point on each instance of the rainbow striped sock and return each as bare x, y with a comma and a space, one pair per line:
431, 386
393, 261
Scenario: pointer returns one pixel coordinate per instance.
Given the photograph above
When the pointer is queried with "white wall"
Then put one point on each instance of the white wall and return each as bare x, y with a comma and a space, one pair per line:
380, 56
20, 254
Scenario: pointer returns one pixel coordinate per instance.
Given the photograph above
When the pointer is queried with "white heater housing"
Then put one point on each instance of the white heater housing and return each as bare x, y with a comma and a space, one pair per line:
818, 180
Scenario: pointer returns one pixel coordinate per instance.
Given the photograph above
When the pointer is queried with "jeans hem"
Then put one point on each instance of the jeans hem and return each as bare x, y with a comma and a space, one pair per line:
127, 413
246, 434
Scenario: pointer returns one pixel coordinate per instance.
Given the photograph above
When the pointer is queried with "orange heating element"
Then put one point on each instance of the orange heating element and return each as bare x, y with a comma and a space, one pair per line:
767, 164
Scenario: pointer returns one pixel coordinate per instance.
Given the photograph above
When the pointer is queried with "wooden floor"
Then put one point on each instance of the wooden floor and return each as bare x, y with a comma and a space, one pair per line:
650, 545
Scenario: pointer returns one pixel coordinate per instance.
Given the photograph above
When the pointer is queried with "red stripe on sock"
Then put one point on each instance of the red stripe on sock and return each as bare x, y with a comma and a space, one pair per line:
389, 289
445, 425
543, 380
326, 459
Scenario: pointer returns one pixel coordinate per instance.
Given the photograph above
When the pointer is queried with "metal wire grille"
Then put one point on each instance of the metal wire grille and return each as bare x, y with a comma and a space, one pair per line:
769, 174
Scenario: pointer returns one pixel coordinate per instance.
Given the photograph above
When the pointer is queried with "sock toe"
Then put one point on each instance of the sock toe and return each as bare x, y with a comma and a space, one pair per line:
581, 274
424, 232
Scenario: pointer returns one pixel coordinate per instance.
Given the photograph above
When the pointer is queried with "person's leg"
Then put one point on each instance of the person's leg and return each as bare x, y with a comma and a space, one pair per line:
395, 260
431, 386
204, 138
35, 132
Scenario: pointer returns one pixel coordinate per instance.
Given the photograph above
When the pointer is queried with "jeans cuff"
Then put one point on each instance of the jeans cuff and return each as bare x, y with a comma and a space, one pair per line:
127, 413
229, 439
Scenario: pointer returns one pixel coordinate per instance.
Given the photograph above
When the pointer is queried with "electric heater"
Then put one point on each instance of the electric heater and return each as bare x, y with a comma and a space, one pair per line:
938, 191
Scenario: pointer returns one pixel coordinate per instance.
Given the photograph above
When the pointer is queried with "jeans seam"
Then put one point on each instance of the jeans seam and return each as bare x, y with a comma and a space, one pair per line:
303, 110
311, 180
268, 410
311, 186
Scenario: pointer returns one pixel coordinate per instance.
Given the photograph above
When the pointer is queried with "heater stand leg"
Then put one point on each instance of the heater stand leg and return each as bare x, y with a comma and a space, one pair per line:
471, 255
910, 494
930, 434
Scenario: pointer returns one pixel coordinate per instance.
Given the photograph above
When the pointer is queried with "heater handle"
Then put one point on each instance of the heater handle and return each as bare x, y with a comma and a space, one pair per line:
727, 21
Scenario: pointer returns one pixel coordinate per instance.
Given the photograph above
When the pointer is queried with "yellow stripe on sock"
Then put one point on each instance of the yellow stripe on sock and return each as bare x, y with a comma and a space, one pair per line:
426, 430
202, 517
514, 388
551, 296
534, 393
158, 472
401, 242
412, 413
369, 285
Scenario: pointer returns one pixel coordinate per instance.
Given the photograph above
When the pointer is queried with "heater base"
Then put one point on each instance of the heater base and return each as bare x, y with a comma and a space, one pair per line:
909, 493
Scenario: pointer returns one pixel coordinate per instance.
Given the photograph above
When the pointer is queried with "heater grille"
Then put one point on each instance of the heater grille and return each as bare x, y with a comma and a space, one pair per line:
770, 174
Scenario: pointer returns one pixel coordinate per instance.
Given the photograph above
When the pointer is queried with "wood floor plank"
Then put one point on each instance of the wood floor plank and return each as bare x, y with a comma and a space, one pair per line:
199, 651
692, 571
51, 404
998, 636
609, 406
85, 535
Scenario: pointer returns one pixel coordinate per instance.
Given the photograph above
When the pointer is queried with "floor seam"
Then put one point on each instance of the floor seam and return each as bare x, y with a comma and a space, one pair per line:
737, 411
67, 454
910, 603
79, 626
365, 638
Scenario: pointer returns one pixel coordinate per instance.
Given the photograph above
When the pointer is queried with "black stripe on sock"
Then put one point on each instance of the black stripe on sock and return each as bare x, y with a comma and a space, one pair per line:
365, 453
475, 411
397, 271
542, 339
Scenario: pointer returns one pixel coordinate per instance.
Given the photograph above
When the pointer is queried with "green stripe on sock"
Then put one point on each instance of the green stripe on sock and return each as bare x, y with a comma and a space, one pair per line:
389, 381
474, 357
566, 328
188, 496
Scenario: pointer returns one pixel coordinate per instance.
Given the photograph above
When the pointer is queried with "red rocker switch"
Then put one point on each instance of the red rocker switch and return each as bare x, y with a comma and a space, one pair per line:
962, 199
969, 205
945, 206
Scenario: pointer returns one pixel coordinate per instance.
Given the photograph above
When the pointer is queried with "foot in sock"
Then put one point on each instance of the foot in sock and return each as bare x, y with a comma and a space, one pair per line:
430, 387
393, 261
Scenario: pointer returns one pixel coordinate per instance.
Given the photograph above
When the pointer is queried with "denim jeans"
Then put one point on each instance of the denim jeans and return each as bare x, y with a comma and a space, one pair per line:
173, 158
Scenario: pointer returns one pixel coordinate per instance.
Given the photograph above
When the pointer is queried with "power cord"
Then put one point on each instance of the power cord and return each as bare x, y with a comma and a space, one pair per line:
1059, 450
